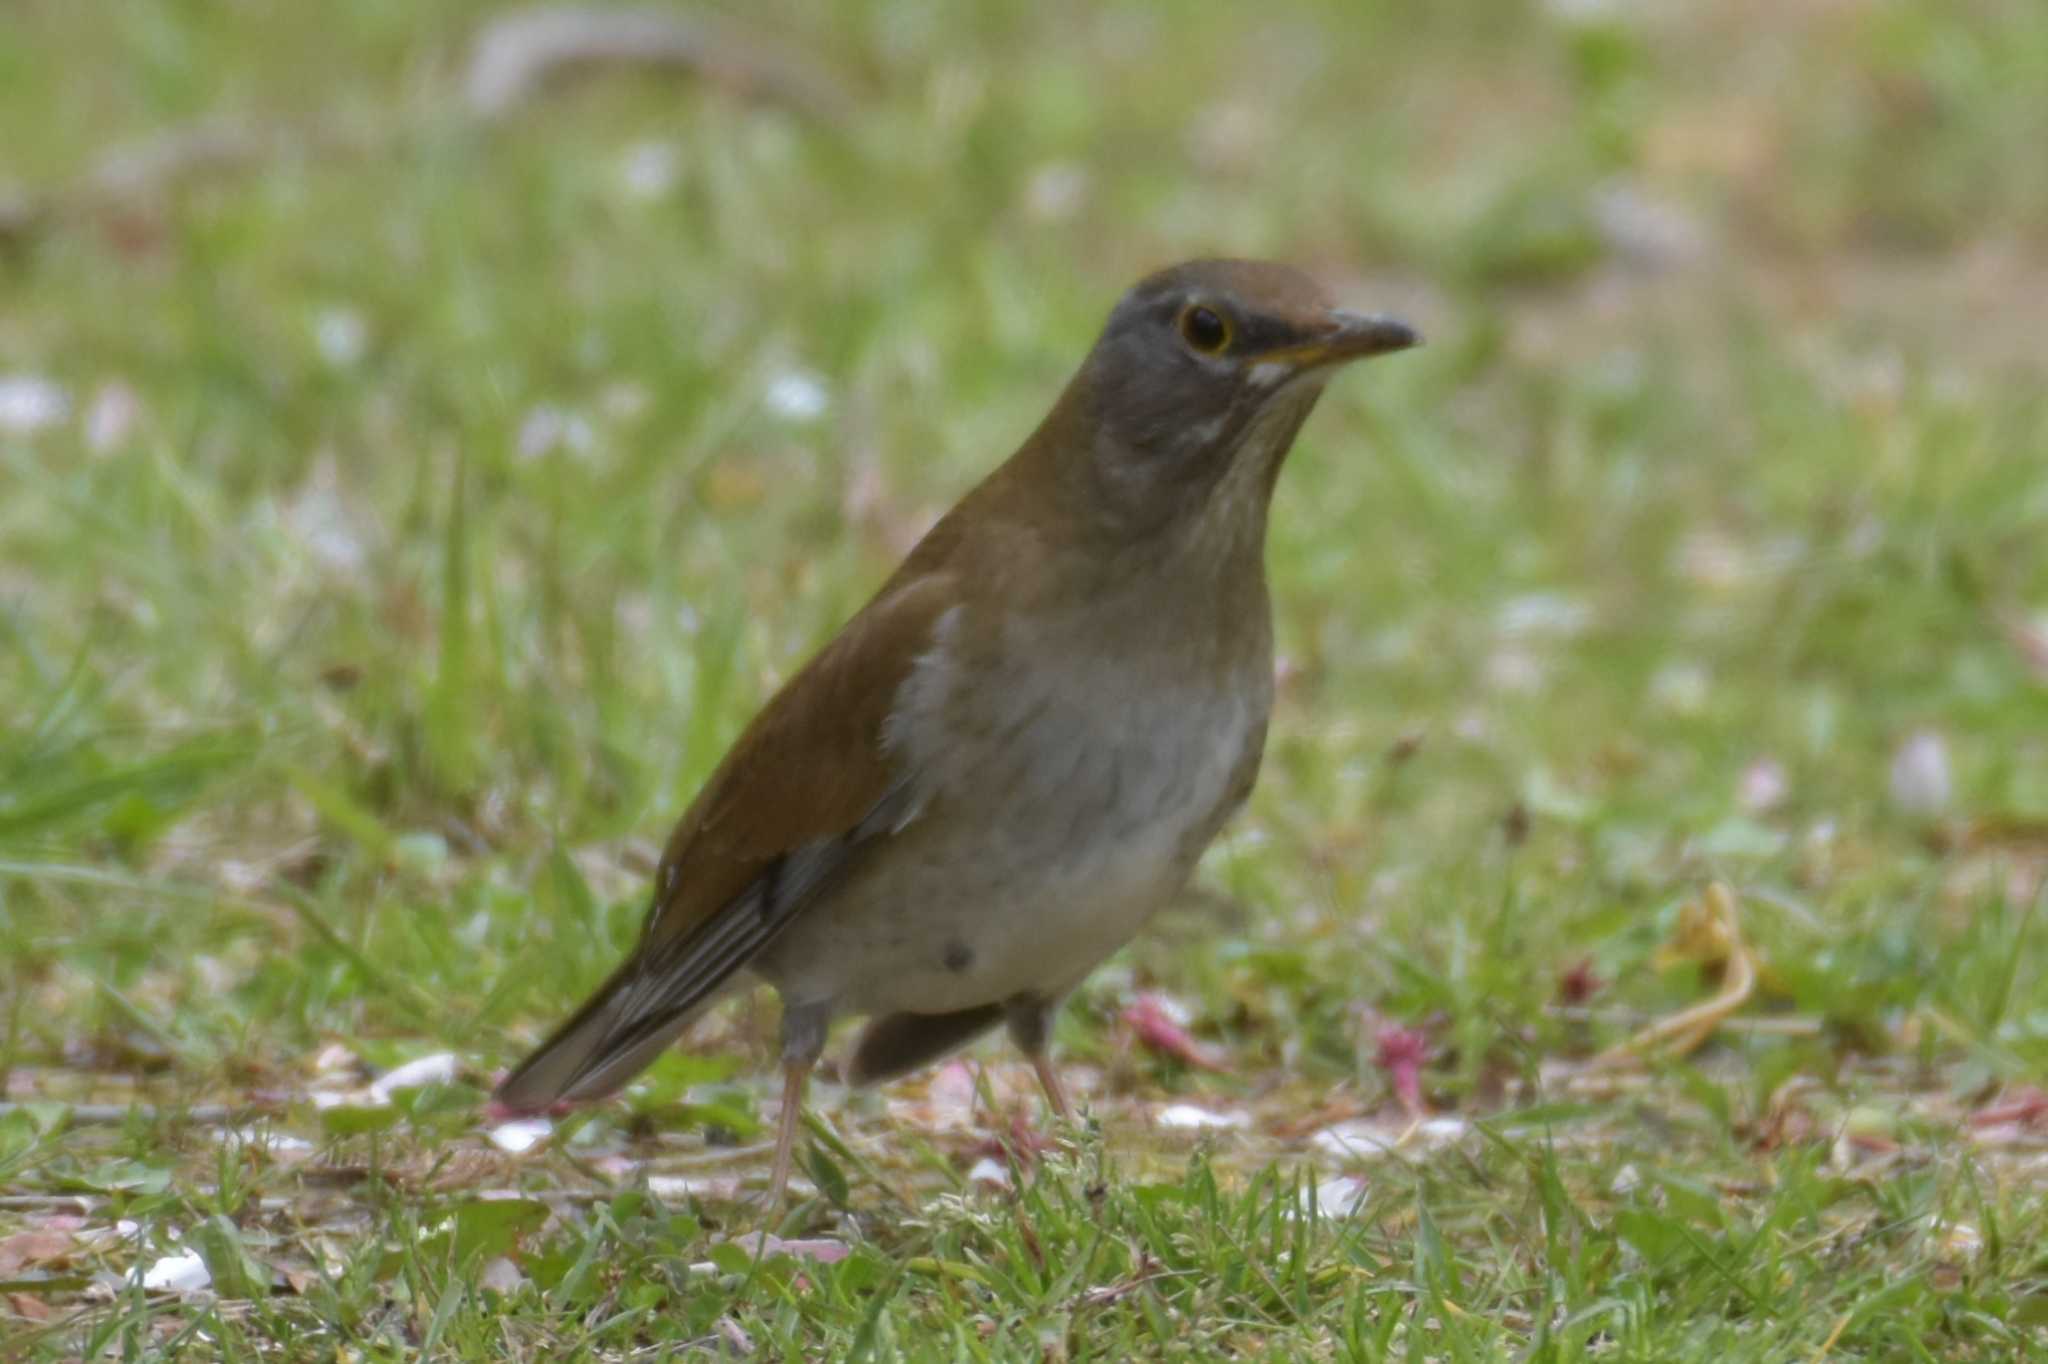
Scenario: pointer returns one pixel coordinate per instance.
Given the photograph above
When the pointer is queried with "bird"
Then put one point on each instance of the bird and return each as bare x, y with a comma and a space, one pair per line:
1017, 750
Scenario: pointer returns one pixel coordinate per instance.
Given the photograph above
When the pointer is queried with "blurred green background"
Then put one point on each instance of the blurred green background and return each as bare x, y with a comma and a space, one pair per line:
403, 502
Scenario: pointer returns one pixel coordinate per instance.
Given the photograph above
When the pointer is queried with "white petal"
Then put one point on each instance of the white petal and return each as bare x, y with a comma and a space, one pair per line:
520, 1134
1920, 778
341, 335
797, 395
1189, 1116
29, 402
439, 1068
184, 1273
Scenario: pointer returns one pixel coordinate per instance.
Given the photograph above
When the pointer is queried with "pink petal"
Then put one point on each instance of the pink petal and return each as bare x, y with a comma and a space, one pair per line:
1401, 1052
1152, 1019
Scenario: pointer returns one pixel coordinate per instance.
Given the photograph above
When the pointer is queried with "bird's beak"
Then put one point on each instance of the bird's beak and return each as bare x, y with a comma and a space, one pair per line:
1343, 336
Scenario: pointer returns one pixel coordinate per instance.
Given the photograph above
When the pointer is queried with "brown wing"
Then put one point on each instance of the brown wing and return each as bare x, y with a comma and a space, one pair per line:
805, 787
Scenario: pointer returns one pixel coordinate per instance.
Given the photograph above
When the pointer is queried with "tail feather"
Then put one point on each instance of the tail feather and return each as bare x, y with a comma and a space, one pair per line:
595, 1052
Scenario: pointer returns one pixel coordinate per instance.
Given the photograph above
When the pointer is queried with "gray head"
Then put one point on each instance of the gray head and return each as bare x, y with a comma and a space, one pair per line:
1204, 369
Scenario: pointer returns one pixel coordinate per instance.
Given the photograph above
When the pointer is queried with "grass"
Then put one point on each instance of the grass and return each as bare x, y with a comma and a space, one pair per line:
430, 505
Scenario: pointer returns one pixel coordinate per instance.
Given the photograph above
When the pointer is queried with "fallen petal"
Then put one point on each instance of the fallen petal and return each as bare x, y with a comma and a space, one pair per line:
673, 1188
1159, 1023
111, 416
440, 1068
184, 1273
1189, 1116
1920, 779
1359, 1140
272, 1141
29, 402
1342, 1195
520, 1134
1763, 787
823, 1250
334, 1058
1401, 1052
341, 335
501, 1276
650, 169
797, 396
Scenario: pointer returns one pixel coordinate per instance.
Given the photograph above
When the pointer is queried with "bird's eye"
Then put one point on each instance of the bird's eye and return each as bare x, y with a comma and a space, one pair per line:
1204, 329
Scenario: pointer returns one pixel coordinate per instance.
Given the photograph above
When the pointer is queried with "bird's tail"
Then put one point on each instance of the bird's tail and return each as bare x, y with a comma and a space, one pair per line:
608, 1041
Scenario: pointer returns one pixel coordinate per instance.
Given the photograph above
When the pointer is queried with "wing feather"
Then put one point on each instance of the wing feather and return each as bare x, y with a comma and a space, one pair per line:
812, 784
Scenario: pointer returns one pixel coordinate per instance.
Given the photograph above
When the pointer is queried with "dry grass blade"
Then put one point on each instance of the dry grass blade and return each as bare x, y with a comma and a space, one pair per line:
1709, 930
520, 54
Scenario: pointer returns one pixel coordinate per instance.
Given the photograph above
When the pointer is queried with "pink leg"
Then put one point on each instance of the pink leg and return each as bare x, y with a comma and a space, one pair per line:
1049, 1080
795, 1074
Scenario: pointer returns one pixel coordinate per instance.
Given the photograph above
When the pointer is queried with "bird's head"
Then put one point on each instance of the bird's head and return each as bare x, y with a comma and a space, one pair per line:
1201, 378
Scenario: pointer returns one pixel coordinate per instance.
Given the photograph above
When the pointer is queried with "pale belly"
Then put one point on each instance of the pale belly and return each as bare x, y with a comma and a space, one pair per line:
1046, 843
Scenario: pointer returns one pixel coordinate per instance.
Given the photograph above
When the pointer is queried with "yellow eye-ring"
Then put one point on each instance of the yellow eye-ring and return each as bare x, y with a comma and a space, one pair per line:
1204, 329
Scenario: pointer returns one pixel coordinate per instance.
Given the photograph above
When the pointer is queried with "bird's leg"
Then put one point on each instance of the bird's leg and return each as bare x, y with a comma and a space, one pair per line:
1055, 1088
803, 1039
795, 1075
1030, 1021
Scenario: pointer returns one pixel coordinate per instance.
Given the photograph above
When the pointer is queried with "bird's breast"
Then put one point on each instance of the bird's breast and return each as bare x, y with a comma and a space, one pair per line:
1064, 798
1079, 736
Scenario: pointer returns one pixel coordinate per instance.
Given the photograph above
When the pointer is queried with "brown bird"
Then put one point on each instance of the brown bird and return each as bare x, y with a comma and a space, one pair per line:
1017, 750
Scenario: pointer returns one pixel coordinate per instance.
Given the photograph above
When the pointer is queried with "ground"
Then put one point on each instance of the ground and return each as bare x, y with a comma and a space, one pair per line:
410, 487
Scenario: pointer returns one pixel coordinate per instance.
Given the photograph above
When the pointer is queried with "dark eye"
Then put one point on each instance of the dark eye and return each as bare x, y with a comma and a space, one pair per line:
1204, 329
